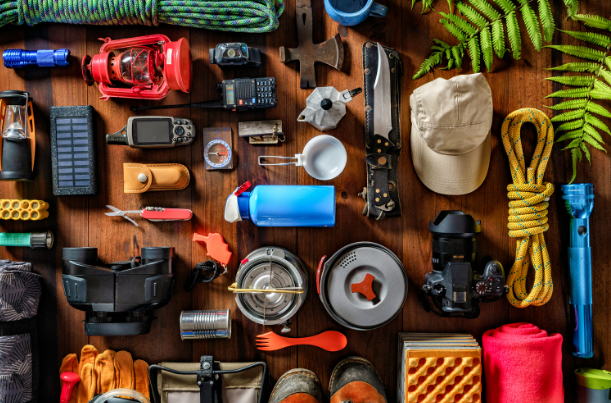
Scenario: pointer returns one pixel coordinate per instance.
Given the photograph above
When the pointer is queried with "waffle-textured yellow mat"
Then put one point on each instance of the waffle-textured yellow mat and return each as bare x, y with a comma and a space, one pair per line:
529, 196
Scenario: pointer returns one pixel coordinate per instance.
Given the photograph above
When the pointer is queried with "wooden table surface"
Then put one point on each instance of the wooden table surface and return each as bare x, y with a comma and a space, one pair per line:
80, 221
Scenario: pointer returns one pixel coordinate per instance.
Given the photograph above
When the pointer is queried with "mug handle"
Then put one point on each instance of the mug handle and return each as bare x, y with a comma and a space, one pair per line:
377, 10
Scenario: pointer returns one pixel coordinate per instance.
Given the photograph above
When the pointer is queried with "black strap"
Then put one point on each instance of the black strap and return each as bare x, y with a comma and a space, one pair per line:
197, 274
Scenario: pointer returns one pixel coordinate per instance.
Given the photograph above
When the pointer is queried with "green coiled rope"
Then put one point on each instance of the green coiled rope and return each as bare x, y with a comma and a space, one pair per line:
221, 15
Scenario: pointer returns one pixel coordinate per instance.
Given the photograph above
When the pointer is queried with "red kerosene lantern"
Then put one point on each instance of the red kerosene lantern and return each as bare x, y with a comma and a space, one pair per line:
146, 67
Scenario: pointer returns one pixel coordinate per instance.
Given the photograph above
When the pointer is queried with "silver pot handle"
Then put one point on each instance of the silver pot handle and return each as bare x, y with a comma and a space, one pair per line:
262, 157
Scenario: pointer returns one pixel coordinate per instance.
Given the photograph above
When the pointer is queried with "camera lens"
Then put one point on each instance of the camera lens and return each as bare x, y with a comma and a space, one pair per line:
454, 238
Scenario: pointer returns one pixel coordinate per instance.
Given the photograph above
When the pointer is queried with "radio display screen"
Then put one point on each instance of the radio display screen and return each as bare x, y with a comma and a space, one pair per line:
229, 95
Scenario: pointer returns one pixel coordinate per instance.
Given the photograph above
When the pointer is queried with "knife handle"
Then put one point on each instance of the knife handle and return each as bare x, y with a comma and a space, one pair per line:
167, 214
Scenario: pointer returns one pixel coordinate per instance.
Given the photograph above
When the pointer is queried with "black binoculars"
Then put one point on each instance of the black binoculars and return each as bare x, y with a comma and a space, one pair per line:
119, 299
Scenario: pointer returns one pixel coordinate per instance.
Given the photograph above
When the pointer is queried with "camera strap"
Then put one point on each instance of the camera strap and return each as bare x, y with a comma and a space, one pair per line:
197, 274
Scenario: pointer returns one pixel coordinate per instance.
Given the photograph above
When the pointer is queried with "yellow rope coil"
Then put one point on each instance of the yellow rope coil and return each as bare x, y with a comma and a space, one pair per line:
528, 205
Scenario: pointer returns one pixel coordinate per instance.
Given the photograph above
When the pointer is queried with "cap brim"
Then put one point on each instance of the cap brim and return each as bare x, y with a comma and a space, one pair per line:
450, 174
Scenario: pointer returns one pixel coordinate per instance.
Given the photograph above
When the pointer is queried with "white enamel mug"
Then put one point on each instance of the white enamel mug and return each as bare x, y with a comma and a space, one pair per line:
324, 158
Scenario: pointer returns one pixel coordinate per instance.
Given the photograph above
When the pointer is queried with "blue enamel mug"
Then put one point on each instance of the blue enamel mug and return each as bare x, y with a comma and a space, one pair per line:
353, 12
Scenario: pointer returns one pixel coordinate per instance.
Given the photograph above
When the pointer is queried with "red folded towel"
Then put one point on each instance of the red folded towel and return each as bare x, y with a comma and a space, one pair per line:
522, 364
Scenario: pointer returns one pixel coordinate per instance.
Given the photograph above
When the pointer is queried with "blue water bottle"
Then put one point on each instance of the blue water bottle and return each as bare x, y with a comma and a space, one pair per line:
579, 202
282, 206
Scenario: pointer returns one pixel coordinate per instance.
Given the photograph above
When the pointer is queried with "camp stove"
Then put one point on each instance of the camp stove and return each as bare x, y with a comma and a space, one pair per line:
271, 285
145, 67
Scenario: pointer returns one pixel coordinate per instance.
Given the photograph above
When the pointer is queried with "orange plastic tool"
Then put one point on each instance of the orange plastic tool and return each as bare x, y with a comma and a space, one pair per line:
365, 287
329, 340
216, 247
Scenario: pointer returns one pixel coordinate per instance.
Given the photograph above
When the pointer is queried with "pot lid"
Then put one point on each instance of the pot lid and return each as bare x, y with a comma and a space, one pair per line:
365, 286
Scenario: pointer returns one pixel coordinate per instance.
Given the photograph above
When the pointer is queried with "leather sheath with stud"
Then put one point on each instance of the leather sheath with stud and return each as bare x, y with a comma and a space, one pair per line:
330, 52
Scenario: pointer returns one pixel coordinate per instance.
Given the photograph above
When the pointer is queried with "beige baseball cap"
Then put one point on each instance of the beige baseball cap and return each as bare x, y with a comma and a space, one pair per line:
450, 139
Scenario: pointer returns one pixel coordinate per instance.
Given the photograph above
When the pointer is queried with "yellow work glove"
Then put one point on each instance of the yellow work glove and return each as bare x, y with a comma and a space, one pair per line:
131, 374
105, 370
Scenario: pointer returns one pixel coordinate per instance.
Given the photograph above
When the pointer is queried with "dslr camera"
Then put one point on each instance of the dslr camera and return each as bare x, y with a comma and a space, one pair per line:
118, 300
234, 54
455, 285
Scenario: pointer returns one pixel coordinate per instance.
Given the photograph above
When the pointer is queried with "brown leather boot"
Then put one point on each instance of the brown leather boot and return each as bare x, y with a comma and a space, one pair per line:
355, 380
297, 386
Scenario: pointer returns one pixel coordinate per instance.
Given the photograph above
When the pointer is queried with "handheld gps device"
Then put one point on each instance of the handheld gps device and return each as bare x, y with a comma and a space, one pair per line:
154, 132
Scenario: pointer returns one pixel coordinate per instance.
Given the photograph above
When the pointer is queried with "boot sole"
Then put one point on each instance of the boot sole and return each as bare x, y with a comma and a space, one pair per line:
290, 372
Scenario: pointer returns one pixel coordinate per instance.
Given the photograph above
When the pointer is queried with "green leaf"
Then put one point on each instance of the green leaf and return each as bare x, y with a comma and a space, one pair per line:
572, 93
571, 8
458, 53
580, 51
474, 53
506, 5
600, 86
596, 122
413, 3
532, 26
451, 4
594, 143
591, 131
486, 42
594, 21
485, 8
441, 43
608, 62
570, 135
574, 81
570, 115
570, 104
581, 67
591, 37
597, 94
472, 14
568, 126
513, 32
595, 108
585, 150
547, 20
426, 4
433, 60
498, 38
460, 23
575, 157
454, 30
606, 74
573, 144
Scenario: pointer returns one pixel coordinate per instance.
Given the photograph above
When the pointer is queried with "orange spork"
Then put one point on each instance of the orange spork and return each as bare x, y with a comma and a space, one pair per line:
329, 340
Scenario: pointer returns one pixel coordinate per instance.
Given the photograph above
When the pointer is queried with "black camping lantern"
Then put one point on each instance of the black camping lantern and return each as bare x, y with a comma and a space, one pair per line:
18, 145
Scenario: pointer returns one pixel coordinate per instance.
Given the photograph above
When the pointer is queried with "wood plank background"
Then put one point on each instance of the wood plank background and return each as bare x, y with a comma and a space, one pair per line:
79, 221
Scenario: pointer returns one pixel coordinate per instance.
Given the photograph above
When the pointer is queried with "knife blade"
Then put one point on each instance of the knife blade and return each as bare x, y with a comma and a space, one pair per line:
382, 111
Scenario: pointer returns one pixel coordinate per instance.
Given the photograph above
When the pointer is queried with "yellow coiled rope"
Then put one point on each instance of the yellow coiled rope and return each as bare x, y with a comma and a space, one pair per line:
528, 205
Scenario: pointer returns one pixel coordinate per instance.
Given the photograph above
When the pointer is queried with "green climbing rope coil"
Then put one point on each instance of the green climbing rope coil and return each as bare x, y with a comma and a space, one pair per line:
221, 15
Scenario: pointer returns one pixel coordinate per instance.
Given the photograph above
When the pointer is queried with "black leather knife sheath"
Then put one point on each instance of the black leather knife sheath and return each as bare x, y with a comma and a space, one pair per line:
381, 194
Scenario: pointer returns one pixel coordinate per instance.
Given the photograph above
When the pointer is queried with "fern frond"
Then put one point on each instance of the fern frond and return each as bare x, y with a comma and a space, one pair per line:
600, 86
570, 135
579, 67
513, 32
591, 132
433, 60
582, 52
594, 21
574, 143
414, 3
596, 122
487, 51
506, 5
572, 93
532, 26
591, 37
573, 81
485, 8
597, 94
608, 62
594, 143
426, 4
498, 38
571, 8
441, 43
595, 108
472, 14
547, 20
465, 26
475, 54
570, 104
454, 30
570, 115
606, 74
568, 126
585, 150
575, 158
451, 5
458, 53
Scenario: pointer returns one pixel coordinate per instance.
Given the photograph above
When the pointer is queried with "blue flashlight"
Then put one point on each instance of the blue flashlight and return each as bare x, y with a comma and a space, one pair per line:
579, 202
17, 58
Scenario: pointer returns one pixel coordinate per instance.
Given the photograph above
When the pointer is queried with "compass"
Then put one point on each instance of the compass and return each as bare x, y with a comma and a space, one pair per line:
218, 155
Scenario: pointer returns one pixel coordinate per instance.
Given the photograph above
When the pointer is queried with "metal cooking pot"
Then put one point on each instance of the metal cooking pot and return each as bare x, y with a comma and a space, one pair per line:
363, 286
